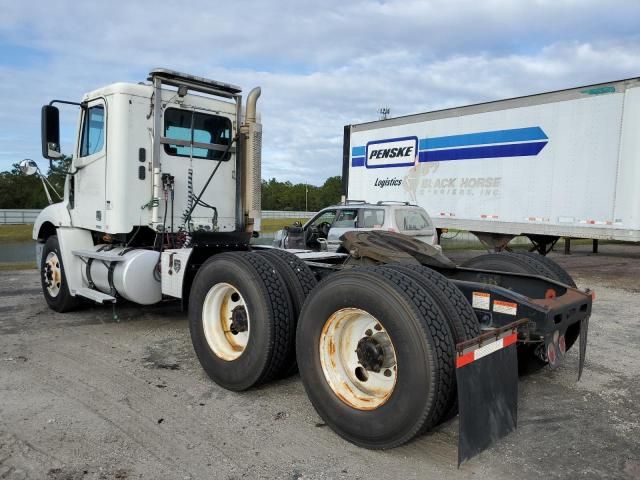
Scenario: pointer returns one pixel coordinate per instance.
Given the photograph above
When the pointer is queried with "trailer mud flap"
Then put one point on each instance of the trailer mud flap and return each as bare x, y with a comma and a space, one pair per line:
487, 377
584, 327
555, 347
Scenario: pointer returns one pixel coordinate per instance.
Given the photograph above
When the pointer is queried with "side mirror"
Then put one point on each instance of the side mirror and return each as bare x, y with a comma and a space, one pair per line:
50, 132
28, 167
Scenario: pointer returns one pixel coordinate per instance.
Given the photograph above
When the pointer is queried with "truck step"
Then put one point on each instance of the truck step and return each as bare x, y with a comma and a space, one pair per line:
95, 295
105, 256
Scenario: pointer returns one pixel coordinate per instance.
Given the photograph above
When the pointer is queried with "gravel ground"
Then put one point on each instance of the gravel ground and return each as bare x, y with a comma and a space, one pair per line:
85, 397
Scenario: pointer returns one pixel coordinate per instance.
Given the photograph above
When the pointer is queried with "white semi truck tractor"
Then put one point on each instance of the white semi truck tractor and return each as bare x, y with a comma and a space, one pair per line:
390, 337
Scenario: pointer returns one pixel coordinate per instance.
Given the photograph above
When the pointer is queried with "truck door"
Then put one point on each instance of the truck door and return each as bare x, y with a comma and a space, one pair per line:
88, 208
318, 227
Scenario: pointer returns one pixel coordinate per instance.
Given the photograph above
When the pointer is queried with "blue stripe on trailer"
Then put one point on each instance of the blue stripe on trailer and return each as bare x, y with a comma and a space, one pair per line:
357, 161
482, 138
359, 151
489, 151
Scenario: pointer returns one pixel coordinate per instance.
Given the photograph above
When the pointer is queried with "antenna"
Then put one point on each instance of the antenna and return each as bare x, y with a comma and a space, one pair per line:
384, 113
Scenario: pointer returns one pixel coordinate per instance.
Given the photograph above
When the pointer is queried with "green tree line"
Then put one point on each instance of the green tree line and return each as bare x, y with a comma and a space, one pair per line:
299, 196
21, 191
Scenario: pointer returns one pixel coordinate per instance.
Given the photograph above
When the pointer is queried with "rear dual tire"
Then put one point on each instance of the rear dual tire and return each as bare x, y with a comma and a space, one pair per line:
243, 311
421, 363
375, 346
240, 299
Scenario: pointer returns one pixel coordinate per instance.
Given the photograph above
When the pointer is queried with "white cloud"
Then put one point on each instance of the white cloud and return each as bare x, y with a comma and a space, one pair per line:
321, 64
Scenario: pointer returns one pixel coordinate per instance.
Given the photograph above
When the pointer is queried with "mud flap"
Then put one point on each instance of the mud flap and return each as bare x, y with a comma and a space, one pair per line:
584, 327
555, 347
487, 377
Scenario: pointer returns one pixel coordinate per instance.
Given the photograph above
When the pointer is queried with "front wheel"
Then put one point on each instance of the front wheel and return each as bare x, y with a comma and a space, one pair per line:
53, 279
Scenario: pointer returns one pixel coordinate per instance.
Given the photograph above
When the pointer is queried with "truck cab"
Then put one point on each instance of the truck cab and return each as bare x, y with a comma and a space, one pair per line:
154, 163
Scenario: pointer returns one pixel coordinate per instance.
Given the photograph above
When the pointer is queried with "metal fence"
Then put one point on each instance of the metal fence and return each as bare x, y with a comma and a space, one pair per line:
29, 216
286, 214
18, 216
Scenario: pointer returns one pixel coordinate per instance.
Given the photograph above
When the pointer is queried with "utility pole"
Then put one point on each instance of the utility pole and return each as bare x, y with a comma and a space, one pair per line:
306, 197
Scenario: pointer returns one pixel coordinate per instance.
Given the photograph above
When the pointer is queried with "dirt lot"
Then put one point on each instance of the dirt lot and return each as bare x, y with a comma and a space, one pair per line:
82, 396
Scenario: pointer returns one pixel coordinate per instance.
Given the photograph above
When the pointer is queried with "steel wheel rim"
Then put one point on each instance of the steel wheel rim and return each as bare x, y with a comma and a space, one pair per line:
222, 336
52, 274
347, 374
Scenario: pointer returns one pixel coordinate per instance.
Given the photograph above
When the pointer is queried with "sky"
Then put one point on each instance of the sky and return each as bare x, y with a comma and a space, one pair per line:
321, 64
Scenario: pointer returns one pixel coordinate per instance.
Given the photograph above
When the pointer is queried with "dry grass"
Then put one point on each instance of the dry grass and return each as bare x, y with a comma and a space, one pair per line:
270, 225
18, 266
15, 233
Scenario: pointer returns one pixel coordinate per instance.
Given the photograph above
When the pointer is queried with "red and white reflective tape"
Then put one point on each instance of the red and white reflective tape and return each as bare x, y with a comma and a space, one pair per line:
447, 214
482, 351
536, 219
491, 217
596, 222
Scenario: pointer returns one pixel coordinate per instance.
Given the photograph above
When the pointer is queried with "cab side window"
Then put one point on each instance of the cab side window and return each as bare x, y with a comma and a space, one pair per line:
92, 131
196, 134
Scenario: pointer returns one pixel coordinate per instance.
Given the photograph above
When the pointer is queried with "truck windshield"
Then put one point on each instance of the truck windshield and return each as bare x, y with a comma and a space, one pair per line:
412, 219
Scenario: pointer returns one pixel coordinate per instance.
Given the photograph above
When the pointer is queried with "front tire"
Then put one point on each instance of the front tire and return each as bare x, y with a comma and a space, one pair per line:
53, 278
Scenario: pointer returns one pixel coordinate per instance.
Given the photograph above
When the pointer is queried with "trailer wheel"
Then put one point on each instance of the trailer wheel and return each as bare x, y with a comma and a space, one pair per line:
299, 280
375, 356
240, 320
53, 278
459, 314
560, 273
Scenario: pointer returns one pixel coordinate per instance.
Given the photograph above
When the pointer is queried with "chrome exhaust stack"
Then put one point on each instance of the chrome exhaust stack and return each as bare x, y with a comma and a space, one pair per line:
252, 168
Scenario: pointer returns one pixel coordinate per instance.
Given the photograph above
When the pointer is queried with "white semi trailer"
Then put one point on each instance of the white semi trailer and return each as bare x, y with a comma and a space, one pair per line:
558, 164
161, 201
